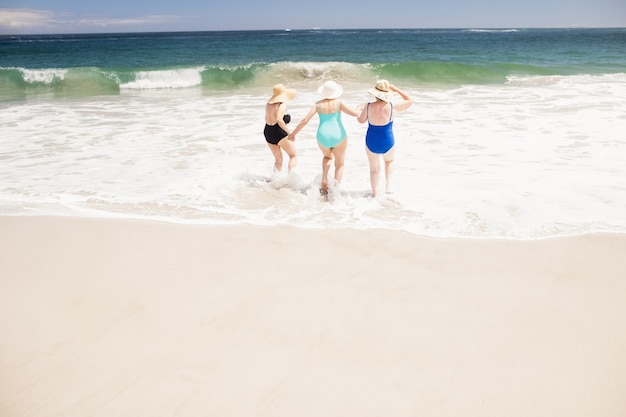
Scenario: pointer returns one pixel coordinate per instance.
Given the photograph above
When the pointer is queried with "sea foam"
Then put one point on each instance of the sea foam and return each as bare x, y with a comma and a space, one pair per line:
175, 78
43, 76
537, 157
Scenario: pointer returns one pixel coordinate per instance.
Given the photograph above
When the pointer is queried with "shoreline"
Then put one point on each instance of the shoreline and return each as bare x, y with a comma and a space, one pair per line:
128, 317
305, 228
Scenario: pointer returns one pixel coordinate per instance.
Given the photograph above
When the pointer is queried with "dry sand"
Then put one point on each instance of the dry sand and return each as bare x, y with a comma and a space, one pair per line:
120, 318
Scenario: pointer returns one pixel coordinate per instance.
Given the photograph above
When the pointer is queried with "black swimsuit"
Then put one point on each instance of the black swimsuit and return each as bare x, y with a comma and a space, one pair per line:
274, 133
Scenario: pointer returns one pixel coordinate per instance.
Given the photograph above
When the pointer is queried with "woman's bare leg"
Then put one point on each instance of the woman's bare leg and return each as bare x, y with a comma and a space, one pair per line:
289, 147
339, 152
388, 158
278, 156
374, 161
327, 159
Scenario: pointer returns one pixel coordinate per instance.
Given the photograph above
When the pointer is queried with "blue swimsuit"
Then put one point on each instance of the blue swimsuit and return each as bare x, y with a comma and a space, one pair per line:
330, 132
379, 139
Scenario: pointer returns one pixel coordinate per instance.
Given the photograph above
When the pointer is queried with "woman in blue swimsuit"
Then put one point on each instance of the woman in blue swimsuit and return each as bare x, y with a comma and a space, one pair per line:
332, 138
379, 139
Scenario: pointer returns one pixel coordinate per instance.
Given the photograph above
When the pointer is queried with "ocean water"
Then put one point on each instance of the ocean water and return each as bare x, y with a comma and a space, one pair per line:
514, 133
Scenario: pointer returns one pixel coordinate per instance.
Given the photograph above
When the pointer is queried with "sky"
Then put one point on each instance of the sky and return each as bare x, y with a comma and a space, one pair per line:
102, 16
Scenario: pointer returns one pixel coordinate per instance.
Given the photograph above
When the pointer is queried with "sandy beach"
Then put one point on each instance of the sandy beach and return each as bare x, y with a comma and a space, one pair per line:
124, 318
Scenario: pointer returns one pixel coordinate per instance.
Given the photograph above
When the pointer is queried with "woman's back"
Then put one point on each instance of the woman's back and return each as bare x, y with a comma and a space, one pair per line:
379, 113
271, 113
328, 106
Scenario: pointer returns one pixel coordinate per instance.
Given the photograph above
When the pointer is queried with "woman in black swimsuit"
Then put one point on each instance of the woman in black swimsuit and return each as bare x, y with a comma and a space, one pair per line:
276, 131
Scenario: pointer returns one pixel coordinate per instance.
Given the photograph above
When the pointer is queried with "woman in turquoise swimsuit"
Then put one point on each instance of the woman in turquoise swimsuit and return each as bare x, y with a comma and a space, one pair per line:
379, 139
332, 138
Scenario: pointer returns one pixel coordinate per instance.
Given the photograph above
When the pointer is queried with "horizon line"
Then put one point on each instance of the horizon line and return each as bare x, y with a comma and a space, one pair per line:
315, 29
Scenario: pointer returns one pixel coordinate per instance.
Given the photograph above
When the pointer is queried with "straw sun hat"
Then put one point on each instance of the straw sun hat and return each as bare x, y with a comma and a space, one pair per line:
281, 94
381, 91
330, 90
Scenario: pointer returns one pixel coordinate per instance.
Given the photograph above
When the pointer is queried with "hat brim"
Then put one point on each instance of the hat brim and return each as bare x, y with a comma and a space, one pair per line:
336, 93
286, 95
381, 95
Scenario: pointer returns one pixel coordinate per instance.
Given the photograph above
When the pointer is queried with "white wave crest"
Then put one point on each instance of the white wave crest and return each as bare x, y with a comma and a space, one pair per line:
176, 78
493, 30
43, 76
319, 71
574, 80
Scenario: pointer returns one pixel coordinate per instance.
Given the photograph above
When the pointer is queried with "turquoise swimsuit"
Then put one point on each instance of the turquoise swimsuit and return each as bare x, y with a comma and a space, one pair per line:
330, 132
379, 139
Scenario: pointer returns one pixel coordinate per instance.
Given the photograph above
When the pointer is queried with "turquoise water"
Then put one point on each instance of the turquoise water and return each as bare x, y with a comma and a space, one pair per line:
102, 64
